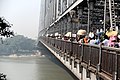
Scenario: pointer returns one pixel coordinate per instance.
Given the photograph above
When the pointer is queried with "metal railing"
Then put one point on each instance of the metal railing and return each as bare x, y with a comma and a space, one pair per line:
104, 59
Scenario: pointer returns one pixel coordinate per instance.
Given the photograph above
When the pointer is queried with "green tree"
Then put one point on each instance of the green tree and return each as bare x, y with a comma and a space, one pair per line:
5, 28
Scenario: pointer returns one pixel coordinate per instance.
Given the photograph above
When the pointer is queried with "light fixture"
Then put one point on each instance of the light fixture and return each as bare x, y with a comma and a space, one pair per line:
72, 12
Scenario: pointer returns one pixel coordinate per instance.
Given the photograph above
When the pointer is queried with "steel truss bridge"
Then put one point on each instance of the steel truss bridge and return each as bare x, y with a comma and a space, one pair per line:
103, 62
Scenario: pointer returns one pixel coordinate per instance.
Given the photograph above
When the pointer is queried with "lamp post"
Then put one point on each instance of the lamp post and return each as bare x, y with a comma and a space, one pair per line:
104, 17
72, 13
88, 16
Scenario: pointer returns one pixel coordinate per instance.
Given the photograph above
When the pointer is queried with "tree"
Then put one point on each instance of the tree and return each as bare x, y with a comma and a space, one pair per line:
5, 28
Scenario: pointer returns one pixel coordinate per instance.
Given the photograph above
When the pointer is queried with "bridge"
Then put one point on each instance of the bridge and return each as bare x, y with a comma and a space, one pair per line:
87, 62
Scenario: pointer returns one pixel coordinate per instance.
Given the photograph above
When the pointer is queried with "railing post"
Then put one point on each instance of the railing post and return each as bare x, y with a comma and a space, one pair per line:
99, 64
54, 42
89, 55
81, 57
116, 67
100, 56
89, 63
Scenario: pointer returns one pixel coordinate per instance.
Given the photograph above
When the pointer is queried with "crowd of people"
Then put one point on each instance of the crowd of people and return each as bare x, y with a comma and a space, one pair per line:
109, 38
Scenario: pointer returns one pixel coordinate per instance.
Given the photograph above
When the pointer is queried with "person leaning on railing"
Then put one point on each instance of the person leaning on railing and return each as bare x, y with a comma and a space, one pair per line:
112, 33
86, 40
105, 41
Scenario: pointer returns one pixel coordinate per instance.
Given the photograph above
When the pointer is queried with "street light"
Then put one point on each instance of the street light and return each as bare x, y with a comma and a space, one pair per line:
88, 16
104, 17
72, 13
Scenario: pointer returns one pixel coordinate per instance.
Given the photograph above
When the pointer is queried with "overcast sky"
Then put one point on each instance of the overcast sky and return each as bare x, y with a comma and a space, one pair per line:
23, 14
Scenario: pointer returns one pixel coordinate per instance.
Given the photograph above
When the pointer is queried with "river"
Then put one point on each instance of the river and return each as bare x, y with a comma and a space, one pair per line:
34, 68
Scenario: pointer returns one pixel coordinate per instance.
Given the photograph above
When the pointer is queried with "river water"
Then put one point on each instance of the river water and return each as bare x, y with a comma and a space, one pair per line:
34, 68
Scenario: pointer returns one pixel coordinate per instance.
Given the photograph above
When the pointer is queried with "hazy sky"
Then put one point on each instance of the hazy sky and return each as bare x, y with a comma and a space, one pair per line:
23, 14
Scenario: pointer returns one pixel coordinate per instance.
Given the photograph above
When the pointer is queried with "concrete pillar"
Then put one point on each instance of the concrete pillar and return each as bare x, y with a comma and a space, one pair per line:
64, 59
93, 76
72, 62
84, 74
78, 68
74, 69
78, 71
67, 61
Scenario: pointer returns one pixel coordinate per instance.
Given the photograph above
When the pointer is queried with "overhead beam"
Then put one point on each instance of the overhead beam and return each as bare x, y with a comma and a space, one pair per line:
69, 9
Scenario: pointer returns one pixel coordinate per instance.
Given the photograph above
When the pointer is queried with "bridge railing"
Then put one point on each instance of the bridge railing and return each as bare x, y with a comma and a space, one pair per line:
110, 62
91, 55
76, 50
118, 66
104, 59
67, 46
94, 55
